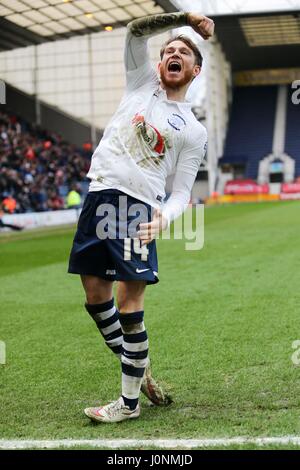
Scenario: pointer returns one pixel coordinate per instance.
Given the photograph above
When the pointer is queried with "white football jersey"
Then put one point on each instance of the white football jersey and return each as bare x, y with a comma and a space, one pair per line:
148, 138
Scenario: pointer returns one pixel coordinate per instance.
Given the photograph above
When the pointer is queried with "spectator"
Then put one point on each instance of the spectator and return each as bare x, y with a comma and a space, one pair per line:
9, 205
73, 198
5, 225
37, 168
55, 202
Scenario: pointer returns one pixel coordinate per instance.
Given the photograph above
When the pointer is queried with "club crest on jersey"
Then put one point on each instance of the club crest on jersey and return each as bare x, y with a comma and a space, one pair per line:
151, 136
176, 121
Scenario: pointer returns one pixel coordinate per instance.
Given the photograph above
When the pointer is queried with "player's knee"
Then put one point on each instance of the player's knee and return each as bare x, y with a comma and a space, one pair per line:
97, 298
131, 296
97, 290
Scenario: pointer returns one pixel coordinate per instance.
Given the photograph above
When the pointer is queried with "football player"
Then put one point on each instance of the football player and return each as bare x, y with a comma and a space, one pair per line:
152, 134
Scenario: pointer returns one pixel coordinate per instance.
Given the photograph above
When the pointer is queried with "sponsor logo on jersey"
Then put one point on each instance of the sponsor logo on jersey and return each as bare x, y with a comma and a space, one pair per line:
152, 137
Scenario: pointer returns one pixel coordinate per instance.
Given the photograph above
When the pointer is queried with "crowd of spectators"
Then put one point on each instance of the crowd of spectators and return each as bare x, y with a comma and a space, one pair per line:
38, 169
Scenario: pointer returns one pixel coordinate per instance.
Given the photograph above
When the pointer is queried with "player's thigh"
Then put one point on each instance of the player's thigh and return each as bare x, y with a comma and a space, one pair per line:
97, 290
130, 296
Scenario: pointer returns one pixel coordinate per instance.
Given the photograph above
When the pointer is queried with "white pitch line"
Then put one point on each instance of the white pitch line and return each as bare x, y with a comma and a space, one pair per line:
158, 443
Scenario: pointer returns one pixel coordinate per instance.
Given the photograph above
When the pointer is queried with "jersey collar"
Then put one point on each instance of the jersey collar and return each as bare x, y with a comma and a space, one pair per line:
182, 105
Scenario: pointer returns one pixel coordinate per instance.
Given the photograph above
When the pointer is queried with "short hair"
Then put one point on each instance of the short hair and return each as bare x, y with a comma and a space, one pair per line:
188, 42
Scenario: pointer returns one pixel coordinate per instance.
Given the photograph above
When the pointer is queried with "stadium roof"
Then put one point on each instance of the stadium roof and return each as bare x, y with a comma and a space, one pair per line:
27, 22
222, 7
260, 40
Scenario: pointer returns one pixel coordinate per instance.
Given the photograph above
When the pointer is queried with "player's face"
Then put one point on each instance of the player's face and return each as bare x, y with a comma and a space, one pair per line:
178, 67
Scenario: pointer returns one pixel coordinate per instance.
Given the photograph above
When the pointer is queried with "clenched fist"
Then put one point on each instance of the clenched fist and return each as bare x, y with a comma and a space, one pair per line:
149, 231
201, 24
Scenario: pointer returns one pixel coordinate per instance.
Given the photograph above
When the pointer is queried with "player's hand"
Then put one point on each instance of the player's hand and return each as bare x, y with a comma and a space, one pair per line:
202, 25
148, 231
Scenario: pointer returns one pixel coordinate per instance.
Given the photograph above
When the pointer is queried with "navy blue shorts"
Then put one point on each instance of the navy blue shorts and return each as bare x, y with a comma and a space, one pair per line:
106, 244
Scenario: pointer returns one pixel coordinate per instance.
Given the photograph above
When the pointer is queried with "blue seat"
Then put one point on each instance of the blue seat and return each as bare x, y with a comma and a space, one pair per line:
251, 127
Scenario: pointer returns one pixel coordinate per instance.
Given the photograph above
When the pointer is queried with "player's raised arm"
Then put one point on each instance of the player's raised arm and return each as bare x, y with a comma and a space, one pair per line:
137, 61
155, 24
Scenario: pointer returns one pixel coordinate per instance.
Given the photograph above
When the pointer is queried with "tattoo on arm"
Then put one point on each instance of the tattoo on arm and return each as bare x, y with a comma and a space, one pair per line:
157, 23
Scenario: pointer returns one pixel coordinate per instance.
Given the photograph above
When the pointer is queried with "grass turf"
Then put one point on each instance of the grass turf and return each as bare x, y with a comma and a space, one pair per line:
221, 323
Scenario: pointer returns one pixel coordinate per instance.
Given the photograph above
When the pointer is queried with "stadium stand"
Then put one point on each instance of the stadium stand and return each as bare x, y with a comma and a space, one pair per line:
251, 124
38, 168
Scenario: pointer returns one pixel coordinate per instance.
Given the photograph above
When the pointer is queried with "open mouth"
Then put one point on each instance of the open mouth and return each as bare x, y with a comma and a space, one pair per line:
174, 66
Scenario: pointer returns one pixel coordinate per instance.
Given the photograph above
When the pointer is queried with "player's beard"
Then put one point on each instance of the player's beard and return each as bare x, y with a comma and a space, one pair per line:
186, 77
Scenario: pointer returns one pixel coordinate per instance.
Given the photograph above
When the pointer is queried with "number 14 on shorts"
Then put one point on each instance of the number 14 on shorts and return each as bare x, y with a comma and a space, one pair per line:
137, 249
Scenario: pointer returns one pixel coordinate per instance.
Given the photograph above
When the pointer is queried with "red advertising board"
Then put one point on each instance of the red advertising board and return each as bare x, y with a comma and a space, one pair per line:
289, 188
245, 187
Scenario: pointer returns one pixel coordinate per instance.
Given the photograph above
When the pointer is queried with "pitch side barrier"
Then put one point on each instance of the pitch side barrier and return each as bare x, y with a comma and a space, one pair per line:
32, 220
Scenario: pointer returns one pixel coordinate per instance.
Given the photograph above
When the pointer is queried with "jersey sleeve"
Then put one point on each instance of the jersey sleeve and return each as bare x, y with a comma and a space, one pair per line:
139, 69
189, 161
193, 151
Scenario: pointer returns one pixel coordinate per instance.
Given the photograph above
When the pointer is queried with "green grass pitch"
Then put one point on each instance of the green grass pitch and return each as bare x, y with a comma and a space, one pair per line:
221, 324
